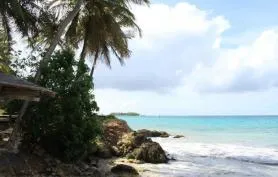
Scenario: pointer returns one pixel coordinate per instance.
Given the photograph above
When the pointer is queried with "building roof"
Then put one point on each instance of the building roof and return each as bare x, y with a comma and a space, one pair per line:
14, 88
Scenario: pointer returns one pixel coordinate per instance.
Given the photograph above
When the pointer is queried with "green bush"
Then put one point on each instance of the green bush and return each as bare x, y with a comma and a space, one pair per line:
65, 125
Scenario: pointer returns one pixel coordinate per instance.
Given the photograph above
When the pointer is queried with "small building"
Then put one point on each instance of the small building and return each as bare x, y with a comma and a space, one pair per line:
12, 87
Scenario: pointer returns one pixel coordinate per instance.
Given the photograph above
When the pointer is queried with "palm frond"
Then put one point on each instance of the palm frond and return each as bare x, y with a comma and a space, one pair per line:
8, 31
71, 34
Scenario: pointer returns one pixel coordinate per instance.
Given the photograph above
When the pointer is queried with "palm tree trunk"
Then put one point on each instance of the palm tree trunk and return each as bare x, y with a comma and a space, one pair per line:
93, 67
83, 52
58, 36
60, 32
81, 61
94, 64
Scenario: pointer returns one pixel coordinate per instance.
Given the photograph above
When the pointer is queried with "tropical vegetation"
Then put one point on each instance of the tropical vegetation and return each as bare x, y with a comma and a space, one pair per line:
55, 31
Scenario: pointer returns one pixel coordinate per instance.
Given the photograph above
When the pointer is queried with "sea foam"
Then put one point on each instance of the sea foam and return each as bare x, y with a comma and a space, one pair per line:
181, 150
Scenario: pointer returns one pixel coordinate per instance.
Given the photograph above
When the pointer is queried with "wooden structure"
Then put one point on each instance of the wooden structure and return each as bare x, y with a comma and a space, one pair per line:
12, 87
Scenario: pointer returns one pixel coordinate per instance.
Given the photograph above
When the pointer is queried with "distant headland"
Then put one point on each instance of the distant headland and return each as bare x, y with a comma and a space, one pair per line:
125, 114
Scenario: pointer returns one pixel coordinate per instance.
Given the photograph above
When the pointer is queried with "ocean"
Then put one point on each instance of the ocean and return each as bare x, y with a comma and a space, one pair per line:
222, 146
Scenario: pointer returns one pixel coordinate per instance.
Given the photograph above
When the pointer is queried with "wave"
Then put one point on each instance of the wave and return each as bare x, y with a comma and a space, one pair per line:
182, 150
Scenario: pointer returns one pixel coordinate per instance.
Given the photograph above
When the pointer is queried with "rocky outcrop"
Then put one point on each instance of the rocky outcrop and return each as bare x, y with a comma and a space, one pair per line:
124, 170
178, 136
150, 152
114, 129
137, 146
149, 133
130, 141
118, 140
121, 141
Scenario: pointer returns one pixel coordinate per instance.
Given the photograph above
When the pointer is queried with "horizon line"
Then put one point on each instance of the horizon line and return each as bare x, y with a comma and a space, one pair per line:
208, 115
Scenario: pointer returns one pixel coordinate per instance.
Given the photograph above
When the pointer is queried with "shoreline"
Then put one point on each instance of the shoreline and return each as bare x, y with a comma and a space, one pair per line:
231, 147
109, 153
142, 167
189, 158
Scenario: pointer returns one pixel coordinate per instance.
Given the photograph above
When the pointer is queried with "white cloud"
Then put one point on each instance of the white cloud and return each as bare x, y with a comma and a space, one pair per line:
182, 45
174, 39
161, 20
164, 22
245, 68
182, 52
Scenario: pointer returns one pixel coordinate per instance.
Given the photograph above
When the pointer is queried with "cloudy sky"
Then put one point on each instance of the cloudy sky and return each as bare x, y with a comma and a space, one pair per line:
197, 57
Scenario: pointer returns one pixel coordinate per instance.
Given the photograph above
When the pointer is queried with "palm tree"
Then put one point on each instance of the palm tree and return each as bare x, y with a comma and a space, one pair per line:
86, 11
100, 27
52, 45
28, 18
70, 19
104, 27
21, 16
24, 14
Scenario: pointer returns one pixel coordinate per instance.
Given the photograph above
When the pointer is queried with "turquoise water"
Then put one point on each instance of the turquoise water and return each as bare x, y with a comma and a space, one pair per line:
253, 130
224, 146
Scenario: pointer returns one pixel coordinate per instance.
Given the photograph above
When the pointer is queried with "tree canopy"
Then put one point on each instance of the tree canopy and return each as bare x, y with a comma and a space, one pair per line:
67, 124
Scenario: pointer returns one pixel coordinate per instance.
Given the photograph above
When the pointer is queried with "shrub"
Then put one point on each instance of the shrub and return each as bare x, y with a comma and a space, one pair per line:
64, 125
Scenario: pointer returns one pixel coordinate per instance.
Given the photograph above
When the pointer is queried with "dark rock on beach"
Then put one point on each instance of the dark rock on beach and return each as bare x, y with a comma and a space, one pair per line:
130, 141
137, 146
149, 133
171, 157
124, 170
178, 136
132, 144
150, 152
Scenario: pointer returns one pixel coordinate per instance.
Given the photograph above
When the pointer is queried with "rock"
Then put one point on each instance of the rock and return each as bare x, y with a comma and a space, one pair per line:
119, 140
103, 150
170, 157
137, 146
178, 136
149, 133
129, 142
115, 151
150, 152
124, 169
139, 139
113, 130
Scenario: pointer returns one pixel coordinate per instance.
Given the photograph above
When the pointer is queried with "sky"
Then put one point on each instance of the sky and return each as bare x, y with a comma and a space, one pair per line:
197, 57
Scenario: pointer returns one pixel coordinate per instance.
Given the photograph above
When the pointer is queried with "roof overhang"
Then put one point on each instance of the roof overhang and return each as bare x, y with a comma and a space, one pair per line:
12, 87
